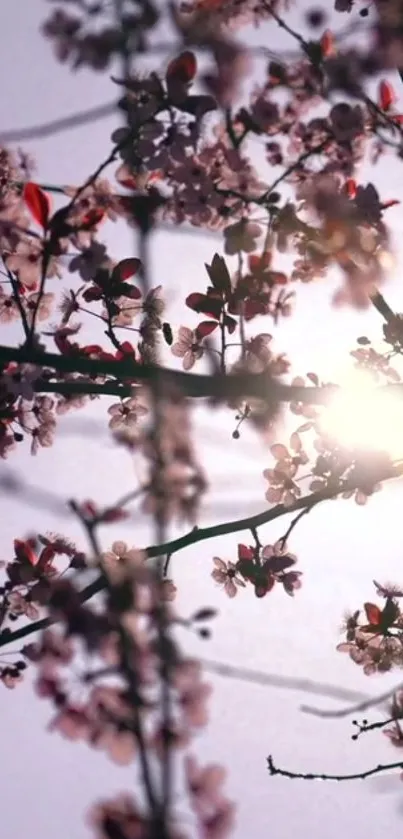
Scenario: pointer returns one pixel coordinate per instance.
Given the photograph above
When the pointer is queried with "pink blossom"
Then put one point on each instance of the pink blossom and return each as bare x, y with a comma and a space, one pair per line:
225, 573
188, 347
125, 414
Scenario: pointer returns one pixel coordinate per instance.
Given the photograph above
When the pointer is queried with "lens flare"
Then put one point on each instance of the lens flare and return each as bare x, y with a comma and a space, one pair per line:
365, 415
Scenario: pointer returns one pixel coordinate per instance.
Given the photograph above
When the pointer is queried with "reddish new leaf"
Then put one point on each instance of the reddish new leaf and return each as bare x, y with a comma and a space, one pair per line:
391, 203
373, 614
126, 351
327, 44
125, 269
24, 552
386, 95
37, 202
92, 349
205, 304
47, 554
245, 552
114, 514
206, 327
92, 218
258, 262
350, 187
183, 68
278, 278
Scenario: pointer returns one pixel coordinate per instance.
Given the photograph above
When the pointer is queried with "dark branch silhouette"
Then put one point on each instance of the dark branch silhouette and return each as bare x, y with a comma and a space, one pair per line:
354, 776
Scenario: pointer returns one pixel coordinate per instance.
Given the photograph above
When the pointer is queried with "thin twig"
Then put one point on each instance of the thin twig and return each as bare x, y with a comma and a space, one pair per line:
354, 776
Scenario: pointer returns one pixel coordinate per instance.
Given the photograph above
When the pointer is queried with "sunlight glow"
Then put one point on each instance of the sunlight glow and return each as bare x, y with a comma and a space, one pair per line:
365, 416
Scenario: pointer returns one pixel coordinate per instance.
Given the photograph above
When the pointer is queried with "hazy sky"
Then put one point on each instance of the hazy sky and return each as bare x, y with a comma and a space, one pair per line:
48, 784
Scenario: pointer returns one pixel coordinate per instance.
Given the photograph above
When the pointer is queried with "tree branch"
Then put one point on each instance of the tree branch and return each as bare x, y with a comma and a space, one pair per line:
355, 776
202, 534
222, 387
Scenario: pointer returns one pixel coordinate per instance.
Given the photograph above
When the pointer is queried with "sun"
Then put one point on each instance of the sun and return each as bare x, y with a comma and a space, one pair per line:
365, 415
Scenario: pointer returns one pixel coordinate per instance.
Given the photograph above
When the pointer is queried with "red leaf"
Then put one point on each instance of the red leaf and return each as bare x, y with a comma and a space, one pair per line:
24, 552
350, 187
278, 278
205, 304
386, 95
373, 613
92, 349
205, 328
125, 269
244, 552
183, 68
37, 202
47, 554
258, 262
126, 350
92, 218
113, 514
391, 203
327, 44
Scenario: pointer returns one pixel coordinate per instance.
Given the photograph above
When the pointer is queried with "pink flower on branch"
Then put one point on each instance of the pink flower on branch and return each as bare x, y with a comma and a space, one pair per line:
188, 347
226, 574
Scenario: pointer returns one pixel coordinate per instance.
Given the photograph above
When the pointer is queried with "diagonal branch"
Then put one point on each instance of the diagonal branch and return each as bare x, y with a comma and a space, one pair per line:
203, 534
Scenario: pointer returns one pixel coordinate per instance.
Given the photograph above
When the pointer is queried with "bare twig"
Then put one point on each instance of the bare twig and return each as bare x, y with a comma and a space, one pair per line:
354, 776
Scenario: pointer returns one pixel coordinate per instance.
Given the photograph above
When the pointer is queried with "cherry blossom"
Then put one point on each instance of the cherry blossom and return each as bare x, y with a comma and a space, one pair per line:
125, 414
225, 573
282, 487
8, 308
121, 552
188, 347
42, 304
241, 236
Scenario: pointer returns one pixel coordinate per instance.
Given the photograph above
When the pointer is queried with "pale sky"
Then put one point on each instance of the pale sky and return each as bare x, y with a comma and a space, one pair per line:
47, 783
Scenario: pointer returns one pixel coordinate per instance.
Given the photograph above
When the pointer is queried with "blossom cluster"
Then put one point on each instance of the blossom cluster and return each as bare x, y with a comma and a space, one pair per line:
261, 567
109, 698
113, 670
376, 645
